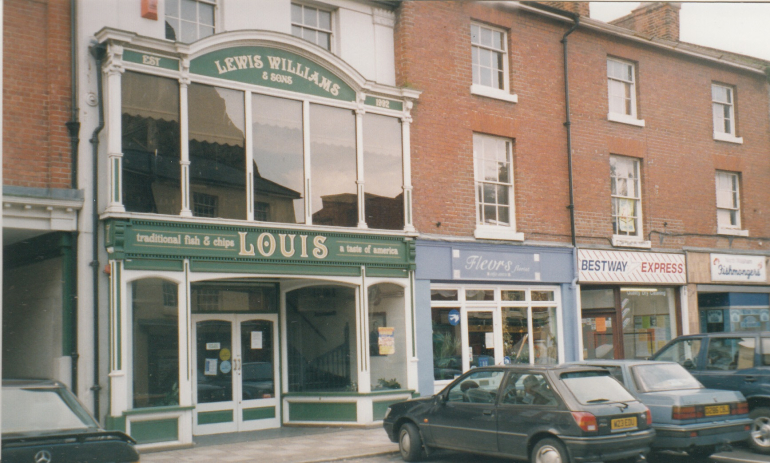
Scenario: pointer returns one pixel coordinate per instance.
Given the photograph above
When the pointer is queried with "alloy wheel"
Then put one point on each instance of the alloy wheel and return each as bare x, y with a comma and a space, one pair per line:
548, 454
760, 431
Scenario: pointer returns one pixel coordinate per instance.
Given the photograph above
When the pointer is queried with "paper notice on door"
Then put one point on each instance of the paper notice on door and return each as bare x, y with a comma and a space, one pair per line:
489, 340
256, 340
601, 325
210, 368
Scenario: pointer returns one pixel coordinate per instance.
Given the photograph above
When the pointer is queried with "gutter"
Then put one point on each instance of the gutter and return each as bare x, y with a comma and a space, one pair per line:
98, 52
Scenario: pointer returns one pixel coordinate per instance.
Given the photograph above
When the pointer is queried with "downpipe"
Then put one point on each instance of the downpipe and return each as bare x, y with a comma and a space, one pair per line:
98, 52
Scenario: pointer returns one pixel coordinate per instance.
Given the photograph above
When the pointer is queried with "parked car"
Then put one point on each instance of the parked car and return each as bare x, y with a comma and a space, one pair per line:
544, 413
733, 361
685, 415
44, 422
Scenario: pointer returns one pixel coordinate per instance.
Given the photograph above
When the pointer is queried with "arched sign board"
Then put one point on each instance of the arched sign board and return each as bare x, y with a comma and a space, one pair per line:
274, 68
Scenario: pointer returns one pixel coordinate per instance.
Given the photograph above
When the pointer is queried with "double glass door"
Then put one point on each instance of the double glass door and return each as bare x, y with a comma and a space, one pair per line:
236, 365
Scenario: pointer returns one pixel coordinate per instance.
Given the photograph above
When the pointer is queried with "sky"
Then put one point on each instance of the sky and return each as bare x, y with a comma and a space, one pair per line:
740, 27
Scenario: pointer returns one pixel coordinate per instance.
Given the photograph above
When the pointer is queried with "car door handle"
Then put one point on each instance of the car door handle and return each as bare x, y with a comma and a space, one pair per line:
487, 412
750, 379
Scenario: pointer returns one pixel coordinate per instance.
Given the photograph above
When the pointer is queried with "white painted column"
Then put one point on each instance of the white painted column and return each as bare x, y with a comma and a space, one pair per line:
184, 130
120, 392
360, 161
406, 120
306, 149
113, 71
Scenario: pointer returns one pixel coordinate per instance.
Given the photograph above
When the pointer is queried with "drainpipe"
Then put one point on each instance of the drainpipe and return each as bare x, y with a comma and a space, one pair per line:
73, 127
98, 52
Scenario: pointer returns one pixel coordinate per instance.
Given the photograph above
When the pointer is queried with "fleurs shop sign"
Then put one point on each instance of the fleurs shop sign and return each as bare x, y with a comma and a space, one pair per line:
150, 239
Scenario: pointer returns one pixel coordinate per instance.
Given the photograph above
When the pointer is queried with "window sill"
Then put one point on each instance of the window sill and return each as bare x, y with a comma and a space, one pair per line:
623, 241
732, 232
498, 233
495, 93
729, 138
625, 119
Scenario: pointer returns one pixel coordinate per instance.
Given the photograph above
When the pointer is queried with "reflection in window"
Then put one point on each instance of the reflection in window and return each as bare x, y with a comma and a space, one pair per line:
279, 169
649, 320
150, 127
447, 349
189, 20
333, 166
224, 296
387, 336
544, 335
258, 380
217, 155
383, 172
156, 345
515, 338
321, 349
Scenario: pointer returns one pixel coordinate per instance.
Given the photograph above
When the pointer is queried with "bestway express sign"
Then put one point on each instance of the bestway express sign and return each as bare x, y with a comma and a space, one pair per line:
631, 267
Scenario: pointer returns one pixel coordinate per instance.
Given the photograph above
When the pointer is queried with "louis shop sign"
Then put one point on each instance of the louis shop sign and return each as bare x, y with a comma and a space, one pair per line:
151, 239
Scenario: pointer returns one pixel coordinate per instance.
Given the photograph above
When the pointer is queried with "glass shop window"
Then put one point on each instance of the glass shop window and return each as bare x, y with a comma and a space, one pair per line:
217, 151
150, 128
383, 173
321, 339
279, 167
649, 320
155, 324
333, 166
224, 296
447, 344
387, 337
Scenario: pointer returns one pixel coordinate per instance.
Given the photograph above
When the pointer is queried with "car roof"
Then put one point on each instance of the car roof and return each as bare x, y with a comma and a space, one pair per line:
621, 362
562, 367
32, 383
725, 334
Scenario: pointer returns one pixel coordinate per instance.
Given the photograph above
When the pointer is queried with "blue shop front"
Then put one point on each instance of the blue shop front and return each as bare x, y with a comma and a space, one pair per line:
481, 304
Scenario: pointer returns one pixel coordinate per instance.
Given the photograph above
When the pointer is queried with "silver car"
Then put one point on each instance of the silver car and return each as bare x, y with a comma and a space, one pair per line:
686, 416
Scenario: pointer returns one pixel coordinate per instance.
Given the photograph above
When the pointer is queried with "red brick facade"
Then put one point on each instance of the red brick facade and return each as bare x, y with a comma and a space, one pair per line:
678, 153
36, 93
656, 19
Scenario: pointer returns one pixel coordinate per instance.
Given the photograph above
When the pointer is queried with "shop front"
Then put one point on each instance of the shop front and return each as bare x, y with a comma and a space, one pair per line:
731, 292
259, 232
487, 304
630, 302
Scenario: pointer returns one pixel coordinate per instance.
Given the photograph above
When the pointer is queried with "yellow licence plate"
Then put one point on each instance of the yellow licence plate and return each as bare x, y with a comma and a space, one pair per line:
623, 423
716, 410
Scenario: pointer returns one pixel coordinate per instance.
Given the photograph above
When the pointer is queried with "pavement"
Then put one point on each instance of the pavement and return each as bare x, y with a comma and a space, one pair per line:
284, 445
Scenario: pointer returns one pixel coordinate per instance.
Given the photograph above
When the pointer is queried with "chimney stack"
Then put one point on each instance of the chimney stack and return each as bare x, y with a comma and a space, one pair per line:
655, 19
580, 8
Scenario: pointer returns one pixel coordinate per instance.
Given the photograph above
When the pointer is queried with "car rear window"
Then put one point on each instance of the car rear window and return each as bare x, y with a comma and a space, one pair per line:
595, 387
33, 410
663, 377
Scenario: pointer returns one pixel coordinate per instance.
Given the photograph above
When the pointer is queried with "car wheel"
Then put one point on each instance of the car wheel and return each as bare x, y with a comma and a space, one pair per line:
549, 451
410, 442
760, 430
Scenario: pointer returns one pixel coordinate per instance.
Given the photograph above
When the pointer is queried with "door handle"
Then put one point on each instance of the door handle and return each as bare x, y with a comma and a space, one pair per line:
750, 379
487, 412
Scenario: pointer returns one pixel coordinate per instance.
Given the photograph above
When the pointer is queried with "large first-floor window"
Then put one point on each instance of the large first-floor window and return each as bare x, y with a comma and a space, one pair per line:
155, 343
303, 164
477, 326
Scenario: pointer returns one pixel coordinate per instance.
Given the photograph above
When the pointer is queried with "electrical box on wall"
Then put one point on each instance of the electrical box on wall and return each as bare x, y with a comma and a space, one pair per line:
150, 9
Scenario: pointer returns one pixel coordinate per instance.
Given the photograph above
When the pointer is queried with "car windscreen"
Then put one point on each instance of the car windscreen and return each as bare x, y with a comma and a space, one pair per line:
595, 387
663, 377
35, 410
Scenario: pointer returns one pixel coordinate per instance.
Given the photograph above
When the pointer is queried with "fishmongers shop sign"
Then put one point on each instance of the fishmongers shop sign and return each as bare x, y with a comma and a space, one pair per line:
253, 244
275, 68
731, 267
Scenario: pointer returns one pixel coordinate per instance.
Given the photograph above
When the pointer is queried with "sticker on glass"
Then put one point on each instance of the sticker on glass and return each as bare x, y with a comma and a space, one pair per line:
256, 340
225, 367
210, 368
212, 346
224, 354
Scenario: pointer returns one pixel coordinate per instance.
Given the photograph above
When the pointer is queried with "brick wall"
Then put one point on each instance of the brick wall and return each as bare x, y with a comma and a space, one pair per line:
36, 93
656, 19
677, 151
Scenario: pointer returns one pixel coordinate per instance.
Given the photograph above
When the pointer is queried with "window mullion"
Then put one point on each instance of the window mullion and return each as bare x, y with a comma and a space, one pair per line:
360, 165
184, 148
249, 157
306, 148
